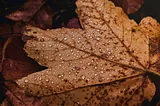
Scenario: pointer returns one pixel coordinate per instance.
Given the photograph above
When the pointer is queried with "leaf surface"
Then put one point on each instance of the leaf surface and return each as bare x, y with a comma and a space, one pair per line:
107, 59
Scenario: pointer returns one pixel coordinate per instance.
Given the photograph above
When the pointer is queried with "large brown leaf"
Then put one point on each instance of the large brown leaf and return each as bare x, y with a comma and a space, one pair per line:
107, 60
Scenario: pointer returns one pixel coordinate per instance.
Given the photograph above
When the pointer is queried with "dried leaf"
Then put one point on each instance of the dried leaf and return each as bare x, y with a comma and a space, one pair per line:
43, 19
107, 60
29, 9
129, 6
17, 96
16, 64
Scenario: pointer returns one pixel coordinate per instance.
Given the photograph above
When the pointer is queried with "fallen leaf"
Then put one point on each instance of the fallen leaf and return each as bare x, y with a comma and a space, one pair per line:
108, 60
17, 97
43, 18
27, 12
129, 6
16, 63
72, 23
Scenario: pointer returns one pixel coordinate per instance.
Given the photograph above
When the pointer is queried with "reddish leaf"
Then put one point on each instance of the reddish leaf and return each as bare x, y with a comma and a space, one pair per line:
13, 69
43, 18
18, 97
17, 64
129, 6
29, 9
72, 23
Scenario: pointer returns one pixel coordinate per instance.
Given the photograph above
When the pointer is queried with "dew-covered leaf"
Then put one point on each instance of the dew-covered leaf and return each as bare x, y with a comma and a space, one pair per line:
107, 60
115, 94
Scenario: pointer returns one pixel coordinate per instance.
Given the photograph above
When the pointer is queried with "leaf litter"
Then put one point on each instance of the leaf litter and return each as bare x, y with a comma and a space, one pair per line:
108, 60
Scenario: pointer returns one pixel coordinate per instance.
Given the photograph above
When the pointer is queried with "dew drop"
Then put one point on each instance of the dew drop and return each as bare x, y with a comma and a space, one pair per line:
102, 72
98, 38
59, 54
40, 78
60, 75
64, 38
95, 74
78, 41
96, 67
47, 80
89, 64
25, 80
69, 73
78, 103
49, 45
43, 45
84, 67
83, 77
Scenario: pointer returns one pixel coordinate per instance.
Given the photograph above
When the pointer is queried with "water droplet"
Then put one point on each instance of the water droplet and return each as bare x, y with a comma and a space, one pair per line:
40, 78
50, 45
95, 74
60, 75
61, 46
25, 80
84, 67
78, 41
89, 64
47, 80
56, 49
64, 38
95, 67
98, 38
102, 72
78, 103
83, 77
69, 73
43, 45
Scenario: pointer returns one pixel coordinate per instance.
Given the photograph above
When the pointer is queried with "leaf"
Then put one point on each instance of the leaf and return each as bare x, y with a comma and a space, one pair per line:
26, 13
43, 18
107, 60
17, 96
129, 6
16, 64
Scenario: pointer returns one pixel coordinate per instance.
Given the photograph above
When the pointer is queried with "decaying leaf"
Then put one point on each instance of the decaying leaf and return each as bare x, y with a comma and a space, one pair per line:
108, 60
17, 97
129, 6
26, 13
